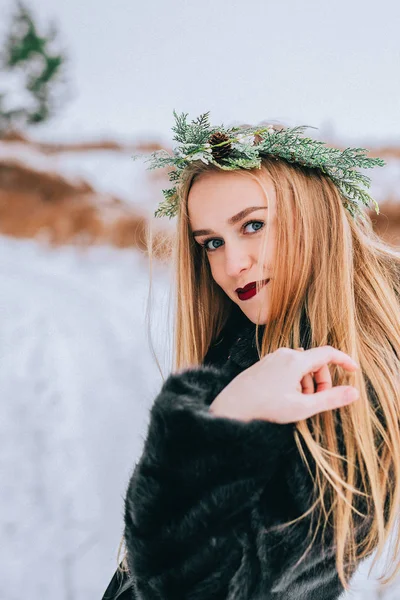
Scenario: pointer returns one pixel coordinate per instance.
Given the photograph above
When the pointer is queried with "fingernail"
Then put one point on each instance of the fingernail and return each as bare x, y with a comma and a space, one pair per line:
351, 394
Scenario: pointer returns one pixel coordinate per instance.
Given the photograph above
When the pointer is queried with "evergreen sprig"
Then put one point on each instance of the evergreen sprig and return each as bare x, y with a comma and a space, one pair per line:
288, 143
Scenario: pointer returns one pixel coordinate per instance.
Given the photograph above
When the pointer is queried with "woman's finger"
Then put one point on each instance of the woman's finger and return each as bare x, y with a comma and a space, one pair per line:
323, 379
314, 359
336, 397
307, 384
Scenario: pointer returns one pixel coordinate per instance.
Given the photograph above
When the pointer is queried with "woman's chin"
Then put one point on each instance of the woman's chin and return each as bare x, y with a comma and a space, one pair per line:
254, 314
255, 308
255, 320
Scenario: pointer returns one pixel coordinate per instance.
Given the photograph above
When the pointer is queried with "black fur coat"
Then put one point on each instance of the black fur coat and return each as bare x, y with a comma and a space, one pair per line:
205, 500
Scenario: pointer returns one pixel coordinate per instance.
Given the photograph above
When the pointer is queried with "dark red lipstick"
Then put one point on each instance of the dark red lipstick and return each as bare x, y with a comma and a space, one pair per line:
249, 290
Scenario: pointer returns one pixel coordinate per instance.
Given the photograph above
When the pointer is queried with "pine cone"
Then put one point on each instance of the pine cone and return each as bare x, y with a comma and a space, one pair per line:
220, 151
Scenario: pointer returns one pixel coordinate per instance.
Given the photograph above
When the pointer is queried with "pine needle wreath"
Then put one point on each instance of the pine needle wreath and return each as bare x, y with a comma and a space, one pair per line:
235, 148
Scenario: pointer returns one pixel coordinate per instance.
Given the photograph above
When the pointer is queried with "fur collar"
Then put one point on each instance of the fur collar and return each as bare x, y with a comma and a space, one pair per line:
237, 341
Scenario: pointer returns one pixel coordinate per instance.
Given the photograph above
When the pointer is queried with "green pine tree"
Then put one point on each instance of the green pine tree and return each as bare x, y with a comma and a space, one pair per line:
39, 66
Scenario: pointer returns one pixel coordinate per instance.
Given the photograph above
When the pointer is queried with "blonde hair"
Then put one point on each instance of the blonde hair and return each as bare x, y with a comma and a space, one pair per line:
348, 286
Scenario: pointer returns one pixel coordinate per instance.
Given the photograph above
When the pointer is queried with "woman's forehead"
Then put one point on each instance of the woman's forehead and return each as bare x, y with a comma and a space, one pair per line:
220, 196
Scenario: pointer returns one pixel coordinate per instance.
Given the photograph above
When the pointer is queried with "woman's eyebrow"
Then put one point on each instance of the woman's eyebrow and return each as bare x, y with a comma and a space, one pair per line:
238, 217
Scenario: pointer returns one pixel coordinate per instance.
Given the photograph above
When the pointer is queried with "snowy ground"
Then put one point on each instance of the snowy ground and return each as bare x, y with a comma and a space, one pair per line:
76, 380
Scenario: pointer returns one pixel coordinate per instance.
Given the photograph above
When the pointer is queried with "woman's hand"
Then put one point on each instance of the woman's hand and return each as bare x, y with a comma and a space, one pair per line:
280, 387
324, 382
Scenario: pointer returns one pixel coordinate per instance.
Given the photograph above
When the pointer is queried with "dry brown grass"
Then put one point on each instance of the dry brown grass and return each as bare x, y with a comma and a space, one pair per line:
45, 205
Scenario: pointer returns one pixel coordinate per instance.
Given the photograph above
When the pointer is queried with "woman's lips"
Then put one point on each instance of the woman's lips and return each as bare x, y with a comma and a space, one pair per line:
250, 292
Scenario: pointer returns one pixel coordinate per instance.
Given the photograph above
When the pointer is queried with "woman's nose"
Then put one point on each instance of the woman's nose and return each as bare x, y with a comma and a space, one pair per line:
236, 260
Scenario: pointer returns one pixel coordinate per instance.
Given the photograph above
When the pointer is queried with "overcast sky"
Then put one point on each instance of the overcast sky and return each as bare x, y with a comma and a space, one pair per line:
333, 65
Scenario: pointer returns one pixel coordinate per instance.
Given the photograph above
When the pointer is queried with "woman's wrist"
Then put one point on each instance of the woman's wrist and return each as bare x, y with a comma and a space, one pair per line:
223, 406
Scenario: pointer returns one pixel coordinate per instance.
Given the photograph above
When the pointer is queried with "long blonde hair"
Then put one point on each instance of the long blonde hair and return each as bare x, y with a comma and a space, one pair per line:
348, 285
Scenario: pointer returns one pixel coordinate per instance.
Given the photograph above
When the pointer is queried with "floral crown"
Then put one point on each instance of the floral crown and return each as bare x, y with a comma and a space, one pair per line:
243, 148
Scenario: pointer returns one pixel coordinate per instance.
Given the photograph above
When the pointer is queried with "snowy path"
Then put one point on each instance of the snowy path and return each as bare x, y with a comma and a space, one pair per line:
76, 381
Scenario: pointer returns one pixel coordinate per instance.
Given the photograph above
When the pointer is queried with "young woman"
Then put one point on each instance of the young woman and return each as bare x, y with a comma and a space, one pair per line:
269, 472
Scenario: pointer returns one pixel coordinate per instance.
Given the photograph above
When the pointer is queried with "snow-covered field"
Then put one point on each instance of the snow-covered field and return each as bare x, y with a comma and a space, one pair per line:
76, 380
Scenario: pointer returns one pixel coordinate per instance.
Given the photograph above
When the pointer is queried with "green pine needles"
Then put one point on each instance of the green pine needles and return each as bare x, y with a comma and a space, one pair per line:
235, 148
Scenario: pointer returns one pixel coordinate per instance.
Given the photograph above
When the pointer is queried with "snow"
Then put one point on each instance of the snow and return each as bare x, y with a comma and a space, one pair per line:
77, 380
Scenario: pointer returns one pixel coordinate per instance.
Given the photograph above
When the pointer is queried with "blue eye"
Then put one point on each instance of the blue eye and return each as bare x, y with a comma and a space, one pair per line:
208, 242
255, 223
204, 245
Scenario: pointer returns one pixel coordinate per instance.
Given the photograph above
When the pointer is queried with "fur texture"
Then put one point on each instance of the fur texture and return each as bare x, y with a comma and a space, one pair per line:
207, 498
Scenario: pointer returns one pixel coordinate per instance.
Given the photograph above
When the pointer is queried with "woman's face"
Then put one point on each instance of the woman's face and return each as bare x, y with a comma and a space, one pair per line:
228, 214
